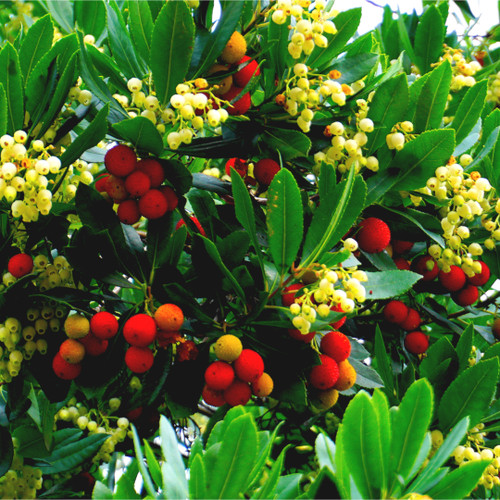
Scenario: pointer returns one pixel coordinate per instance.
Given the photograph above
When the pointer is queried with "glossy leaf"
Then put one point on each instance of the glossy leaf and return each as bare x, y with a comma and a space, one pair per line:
325, 452
464, 347
437, 353
290, 143
197, 479
429, 39
277, 39
153, 465
3, 110
62, 12
387, 284
353, 68
12, 81
148, 482
141, 133
288, 486
91, 17
384, 367
141, 26
269, 488
366, 376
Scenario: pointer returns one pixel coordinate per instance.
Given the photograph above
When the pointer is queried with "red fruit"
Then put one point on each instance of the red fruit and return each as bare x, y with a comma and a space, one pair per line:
295, 334
137, 183
395, 311
140, 330
453, 280
128, 212
93, 346
104, 325
481, 278
239, 107
100, 183
326, 374
241, 166
186, 351
212, 397
153, 169
288, 294
374, 235
416, 342
115, 187
20, 265
238, 393
426, 266
65, 370
467, 296
139, 359
401, 247
337, 324
265, 170
244, 75
412, 321
336, 345
153, 204
219, 375
249, 365
196, 223
402, 264
120, 160
170, 196
134, 414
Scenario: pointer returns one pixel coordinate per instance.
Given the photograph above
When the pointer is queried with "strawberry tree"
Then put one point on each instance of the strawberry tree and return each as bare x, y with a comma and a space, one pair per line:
256, 234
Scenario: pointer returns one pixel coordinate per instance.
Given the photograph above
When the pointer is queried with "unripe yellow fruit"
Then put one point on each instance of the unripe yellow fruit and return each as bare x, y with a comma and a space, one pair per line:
76, 326
347, 376
263, 386
324, 400
235, 48
228, 348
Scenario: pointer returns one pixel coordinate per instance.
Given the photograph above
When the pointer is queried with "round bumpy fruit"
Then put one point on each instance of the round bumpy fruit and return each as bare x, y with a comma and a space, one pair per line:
65, 370
153, 204
325, 399
467, 296
402, 264
336, 345
93, 345
263, 386
153, 169
76, 326
212, 397
249, 69
100, 183
288, 294
241, 166
347, 376
297, 335
235, 48
170, 196
128, 212
140, 330
426, 266
400, 247
196, 222
325, 375
416, 342
228, 348
481, 278
219, 375
265, 170
395, 311
238, 393
169, 317
225, 82
374, 235
412, 320
242, 103
72, 351
453, 280
139, 359
249, 366
137, 183
120, 160
20, 265
115, 187
495, 328
104, 325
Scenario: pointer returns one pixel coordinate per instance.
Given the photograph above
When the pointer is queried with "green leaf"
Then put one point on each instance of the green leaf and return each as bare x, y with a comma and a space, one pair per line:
269, 488
284, 219
384, 367
432, 100
429, 39
6, 450
464, 347
62, 12
101, 491
141, 133
12, 81
235, 459
366, 376
277, 40
469, 110
153, 465
325, 452
148, 482
437, 353
288, 486
469, 394
197, 479
171, 48
125, 485
141, 26
387, 284
3, 110
37, 42
91, 17
290, 143
381, 407
353, 68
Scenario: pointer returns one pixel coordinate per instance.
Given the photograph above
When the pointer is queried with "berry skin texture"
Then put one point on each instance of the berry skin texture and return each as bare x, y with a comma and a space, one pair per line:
336, 345
263, 386
153, 169
454, 280
104, 325
72, 351
325, 375
412, 321
347, 376
239, 106
238, 393
120, 160
244, 75
76, 326
416, 342
295, 334
196, 223
395, 311
137, 183
374, 235
495, 328
20, 265
140, 330
169, 317
235, 48
65, 370
426, 266
402, 264
100, 183
228, 348
400, 247
481, 278
213, 397
324, 400
170, 196
241, 166
265, 170
288, 294
219, 375
249, 366
93, 345
128, 212
153, 204
115, 187
139, 359
225, 83
467, 296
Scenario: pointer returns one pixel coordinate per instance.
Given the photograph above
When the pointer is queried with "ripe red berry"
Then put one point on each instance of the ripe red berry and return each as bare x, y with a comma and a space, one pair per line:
140, 330
426, 266
139, 359
481, 278
93, 346
416, 342
196, 223
170, 196
137, 183
128, 212
402, 264
100, 183
395, 311
326, 374
249, 69
212, 397
20, 265
104, 325
239, 107
495, 328
238, 393
412, 321
340, 322
400, 246
265, 170
374, 235
115, 187
453, 280
120, 160
336, 345
241, 166
153, 169
219, 375
288, 294
65, 370
467, 296
153, 204
249, 365
295, 334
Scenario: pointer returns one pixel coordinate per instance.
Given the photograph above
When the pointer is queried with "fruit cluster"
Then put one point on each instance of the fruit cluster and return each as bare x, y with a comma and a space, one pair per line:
399, 135
463, 71
262, 171
236, 375
136, 185
20, 481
